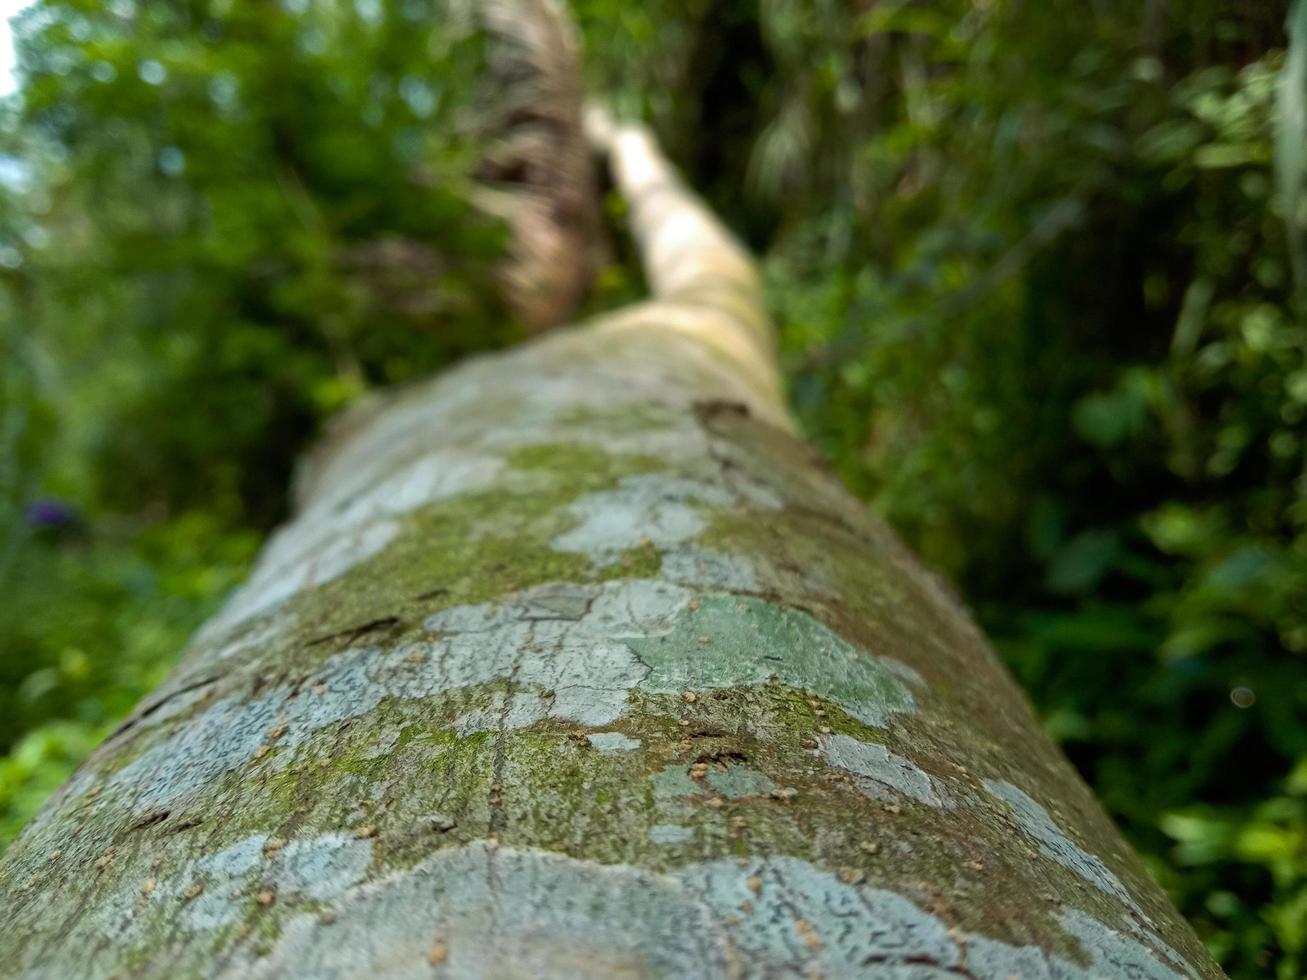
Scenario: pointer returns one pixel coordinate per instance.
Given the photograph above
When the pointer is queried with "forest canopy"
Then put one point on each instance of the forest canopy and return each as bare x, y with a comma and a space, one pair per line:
1040, 276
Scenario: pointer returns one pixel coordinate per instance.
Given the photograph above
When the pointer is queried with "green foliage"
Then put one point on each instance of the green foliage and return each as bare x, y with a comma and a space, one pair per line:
218, 223
243, 214
1041, 275
88, 628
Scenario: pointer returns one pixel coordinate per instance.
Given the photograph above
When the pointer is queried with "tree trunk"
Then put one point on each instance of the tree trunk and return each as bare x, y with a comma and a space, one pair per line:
576, 662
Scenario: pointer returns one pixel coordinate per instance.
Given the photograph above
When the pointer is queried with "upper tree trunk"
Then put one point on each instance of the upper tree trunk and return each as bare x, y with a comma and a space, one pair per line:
576, 662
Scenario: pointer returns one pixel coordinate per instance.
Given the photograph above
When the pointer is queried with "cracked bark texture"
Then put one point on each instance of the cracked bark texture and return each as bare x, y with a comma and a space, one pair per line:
576, 662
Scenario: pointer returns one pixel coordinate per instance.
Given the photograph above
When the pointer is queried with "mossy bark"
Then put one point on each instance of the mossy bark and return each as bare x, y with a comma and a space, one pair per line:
576, 662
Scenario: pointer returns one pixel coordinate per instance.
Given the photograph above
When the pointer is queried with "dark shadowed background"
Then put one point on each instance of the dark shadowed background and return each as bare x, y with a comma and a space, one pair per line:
1040, 273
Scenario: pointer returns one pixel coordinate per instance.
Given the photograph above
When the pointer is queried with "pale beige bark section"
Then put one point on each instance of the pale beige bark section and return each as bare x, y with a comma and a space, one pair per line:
688, 255
706, 287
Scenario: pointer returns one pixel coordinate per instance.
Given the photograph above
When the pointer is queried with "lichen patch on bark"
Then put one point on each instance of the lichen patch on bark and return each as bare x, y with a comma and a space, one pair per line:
1054, 842
875, 762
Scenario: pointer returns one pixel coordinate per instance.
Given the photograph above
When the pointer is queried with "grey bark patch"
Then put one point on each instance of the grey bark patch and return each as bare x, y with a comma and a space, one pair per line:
274, 581
733, 782
645, 509
189, 902
1055, 844
312, 868
732, 641
797, 920
902, 670
240, 641
876, 762
434, 476
699, 566
635, 609
612, 742
235, 859
356, 522
672, 782
219, 874
643, 634
1116, 955
736, 782
504, 913
557, 600
320, 868
668, 834
793, 919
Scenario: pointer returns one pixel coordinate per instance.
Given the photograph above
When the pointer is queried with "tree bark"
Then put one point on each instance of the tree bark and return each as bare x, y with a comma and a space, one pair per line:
577, 662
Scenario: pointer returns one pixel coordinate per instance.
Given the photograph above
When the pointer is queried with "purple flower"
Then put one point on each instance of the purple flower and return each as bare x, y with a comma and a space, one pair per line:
50, 514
